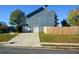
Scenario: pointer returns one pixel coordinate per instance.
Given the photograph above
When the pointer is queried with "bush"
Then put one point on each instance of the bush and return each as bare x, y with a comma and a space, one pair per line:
3, 29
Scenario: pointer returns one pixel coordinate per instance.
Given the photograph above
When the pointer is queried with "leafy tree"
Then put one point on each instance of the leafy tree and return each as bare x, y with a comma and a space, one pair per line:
3, 27
56, 19
0, 23
3, 23
64, 23
73, 17
17, 17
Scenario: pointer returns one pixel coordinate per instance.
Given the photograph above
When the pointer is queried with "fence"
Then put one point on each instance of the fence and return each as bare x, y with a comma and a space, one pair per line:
62, 30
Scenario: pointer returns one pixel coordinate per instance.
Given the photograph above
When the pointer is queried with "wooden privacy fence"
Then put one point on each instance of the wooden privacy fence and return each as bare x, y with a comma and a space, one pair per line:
62, 30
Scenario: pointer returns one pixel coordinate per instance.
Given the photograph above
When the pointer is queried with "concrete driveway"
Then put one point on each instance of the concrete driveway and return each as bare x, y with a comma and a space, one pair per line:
25, 39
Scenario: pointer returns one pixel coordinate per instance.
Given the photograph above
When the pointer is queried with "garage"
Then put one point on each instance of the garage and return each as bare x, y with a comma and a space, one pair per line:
36, 29
26, 29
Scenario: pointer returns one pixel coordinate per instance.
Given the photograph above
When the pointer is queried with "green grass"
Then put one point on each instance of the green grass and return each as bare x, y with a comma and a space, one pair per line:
58, 38
6, 37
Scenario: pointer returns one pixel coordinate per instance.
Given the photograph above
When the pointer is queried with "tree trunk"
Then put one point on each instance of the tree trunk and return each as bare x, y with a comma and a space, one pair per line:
19, 28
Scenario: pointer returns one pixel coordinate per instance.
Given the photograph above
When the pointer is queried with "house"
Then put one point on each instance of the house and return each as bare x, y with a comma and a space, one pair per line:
40, 18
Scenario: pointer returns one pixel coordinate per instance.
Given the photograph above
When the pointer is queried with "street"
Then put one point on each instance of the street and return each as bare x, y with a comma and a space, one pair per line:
11, 50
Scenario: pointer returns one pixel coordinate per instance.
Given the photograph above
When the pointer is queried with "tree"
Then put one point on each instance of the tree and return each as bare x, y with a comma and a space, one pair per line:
56, 19
3, 23
3, 27
73, 17
0, 23
64, 23
17, 17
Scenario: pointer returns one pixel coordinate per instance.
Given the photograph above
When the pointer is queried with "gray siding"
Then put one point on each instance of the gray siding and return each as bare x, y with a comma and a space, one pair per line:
41, 19
44, 18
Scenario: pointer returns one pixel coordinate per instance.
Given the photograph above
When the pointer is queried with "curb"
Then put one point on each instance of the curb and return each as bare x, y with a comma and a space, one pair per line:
49, 43
4, 42
45, 48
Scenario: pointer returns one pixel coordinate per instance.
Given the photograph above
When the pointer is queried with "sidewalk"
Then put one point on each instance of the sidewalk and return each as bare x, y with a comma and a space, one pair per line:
51, 43
60, 46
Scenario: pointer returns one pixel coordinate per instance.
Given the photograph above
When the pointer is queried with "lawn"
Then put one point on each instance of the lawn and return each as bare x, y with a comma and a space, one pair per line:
58, 38
6, 37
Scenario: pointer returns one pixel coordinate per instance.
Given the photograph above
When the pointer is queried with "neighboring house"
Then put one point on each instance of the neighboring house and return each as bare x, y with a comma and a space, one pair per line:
40, 18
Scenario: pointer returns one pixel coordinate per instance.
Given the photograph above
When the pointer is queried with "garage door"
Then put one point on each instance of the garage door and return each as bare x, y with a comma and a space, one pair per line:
26, 29
36, 29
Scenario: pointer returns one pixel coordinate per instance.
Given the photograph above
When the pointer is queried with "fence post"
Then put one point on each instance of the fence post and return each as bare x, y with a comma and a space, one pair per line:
45, 30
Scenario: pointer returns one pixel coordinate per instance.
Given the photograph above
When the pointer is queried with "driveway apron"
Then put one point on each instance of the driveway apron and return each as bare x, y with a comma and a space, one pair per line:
25, 39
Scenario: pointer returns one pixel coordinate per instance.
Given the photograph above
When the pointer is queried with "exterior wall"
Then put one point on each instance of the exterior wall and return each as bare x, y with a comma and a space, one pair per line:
41, 19
61, 30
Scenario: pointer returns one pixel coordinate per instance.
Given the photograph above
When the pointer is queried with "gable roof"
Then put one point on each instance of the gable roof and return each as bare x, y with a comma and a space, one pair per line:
35, 12
39, 10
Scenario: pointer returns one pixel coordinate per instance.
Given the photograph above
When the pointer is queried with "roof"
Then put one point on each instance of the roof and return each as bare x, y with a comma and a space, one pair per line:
35, 12
39, 10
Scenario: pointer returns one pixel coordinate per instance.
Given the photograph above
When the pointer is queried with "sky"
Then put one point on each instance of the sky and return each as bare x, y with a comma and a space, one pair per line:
62, 11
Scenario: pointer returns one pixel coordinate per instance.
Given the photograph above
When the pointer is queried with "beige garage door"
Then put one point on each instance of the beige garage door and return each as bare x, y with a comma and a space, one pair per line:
36, 29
